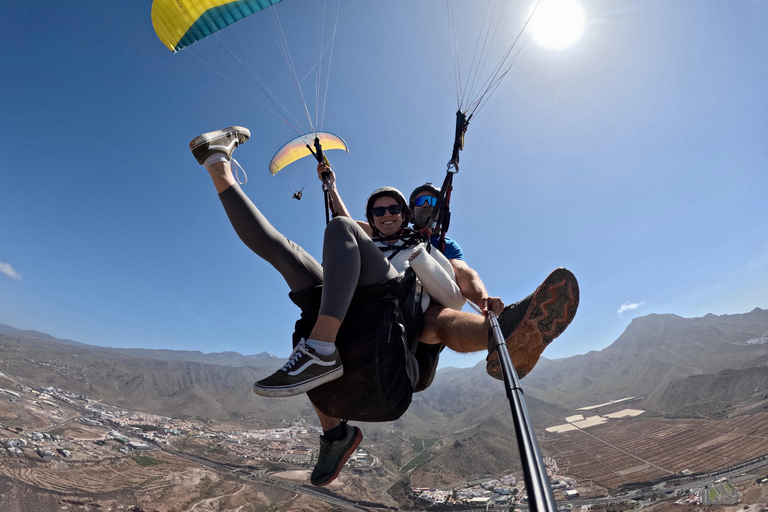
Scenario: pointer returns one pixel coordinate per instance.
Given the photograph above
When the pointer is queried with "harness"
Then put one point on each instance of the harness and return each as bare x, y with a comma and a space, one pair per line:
384, 361
378, 342
396, 244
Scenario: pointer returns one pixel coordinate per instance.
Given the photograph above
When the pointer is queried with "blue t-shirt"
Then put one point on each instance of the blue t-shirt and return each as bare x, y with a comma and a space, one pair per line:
452, 249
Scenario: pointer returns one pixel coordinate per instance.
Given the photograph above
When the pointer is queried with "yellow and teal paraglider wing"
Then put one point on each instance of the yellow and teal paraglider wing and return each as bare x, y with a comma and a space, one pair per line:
297, 148
179, 23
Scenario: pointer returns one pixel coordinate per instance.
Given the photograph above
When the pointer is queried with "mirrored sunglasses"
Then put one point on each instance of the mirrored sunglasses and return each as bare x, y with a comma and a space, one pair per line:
380, 211
424, 200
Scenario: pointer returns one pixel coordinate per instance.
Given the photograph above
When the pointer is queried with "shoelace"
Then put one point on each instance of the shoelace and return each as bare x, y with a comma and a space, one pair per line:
238, 168
296, 355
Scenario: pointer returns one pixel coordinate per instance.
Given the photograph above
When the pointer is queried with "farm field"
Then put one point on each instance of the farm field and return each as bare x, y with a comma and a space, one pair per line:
421, 449
624, 451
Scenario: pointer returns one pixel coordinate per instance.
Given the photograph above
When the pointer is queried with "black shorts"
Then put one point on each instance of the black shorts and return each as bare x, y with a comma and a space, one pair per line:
377, 343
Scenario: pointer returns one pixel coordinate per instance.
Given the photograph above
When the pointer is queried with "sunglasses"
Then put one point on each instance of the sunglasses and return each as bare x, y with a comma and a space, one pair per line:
424, 200
380, 211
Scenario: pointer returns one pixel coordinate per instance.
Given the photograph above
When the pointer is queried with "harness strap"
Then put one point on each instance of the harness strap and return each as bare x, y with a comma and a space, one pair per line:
408, 236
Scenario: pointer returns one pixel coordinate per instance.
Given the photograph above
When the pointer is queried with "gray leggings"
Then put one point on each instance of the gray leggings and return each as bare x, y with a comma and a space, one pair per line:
350, 257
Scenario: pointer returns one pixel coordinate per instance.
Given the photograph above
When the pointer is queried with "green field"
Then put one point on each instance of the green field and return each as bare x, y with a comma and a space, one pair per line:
422, 445
147, 461
720, 491
421, 448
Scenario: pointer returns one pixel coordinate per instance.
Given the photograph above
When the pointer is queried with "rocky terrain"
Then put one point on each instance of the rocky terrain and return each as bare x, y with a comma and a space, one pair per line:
652, 353
710, 369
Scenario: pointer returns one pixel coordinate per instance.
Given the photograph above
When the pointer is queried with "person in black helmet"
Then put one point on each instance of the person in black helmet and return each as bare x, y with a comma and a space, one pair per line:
526, 339
426, 196
422, 201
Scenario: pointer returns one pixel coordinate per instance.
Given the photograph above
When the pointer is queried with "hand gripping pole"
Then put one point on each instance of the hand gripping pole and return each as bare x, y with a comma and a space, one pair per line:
320, 156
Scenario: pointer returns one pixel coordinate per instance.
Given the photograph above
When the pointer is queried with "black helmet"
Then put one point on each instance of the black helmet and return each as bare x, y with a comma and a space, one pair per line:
391, 192
427, 187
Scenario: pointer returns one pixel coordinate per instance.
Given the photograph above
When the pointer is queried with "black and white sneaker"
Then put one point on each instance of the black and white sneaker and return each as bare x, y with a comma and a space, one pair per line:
306, 369
221, 141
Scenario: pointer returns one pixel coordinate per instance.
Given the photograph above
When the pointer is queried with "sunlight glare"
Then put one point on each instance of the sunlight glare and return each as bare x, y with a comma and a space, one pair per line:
557, 23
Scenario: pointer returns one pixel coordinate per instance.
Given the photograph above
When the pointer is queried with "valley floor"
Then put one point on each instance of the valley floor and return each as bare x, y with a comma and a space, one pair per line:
626, 451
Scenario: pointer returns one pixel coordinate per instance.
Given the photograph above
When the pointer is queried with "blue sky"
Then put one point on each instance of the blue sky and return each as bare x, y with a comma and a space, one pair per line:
636, 157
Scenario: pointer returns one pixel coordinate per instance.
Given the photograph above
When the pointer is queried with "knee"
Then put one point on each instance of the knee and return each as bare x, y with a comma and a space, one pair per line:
343, 231
340, 231
340, 224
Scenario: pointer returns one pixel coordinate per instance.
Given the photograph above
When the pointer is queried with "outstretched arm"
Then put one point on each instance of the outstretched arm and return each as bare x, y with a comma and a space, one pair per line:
472, 288
328, 177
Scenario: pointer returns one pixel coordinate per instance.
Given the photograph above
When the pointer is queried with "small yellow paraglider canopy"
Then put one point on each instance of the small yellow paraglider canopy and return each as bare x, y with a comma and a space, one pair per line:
297, 148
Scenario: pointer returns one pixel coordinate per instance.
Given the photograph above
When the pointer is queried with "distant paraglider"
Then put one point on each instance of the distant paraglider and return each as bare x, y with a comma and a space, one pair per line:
301, 147
180, 23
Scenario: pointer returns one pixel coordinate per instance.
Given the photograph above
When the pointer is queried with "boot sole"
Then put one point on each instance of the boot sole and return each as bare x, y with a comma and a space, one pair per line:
355, 443
551, 310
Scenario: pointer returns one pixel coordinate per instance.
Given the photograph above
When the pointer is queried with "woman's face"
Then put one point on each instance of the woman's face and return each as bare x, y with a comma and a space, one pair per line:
388, 224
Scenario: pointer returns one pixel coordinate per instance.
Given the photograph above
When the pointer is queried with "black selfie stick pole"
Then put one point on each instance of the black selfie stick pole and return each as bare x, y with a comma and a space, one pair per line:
540, 497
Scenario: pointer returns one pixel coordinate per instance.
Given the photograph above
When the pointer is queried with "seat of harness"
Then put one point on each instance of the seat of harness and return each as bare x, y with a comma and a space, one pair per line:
376, 343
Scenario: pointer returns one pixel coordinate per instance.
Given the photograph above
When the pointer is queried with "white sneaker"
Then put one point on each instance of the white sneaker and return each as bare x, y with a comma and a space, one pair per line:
221, 141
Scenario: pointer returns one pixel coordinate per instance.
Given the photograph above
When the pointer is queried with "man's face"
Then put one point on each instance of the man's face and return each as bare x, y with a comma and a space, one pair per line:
423, 207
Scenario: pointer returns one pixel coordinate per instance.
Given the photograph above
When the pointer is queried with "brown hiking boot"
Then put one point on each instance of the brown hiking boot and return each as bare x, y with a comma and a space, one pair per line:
531, 324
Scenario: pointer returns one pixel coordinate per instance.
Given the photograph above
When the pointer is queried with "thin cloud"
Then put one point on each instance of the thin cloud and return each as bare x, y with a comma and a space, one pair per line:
629, 306
8, 270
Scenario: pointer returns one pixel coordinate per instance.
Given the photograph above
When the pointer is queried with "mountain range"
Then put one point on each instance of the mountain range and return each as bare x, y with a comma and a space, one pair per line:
672, 366
656, 357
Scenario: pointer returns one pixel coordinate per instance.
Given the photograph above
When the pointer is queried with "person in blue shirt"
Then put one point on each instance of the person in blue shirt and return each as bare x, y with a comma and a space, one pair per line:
459, 330
422, 202
426, 196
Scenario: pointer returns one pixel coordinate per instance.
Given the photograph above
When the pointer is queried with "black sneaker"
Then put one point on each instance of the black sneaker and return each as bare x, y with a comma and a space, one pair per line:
305, 370
531, 324
334, 454
221, 141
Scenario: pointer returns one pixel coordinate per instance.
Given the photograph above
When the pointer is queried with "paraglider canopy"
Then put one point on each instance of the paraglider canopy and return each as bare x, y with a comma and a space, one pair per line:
297, 148
179, 23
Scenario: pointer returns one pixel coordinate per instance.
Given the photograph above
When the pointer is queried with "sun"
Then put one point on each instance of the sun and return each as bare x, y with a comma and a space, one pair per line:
556, 24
